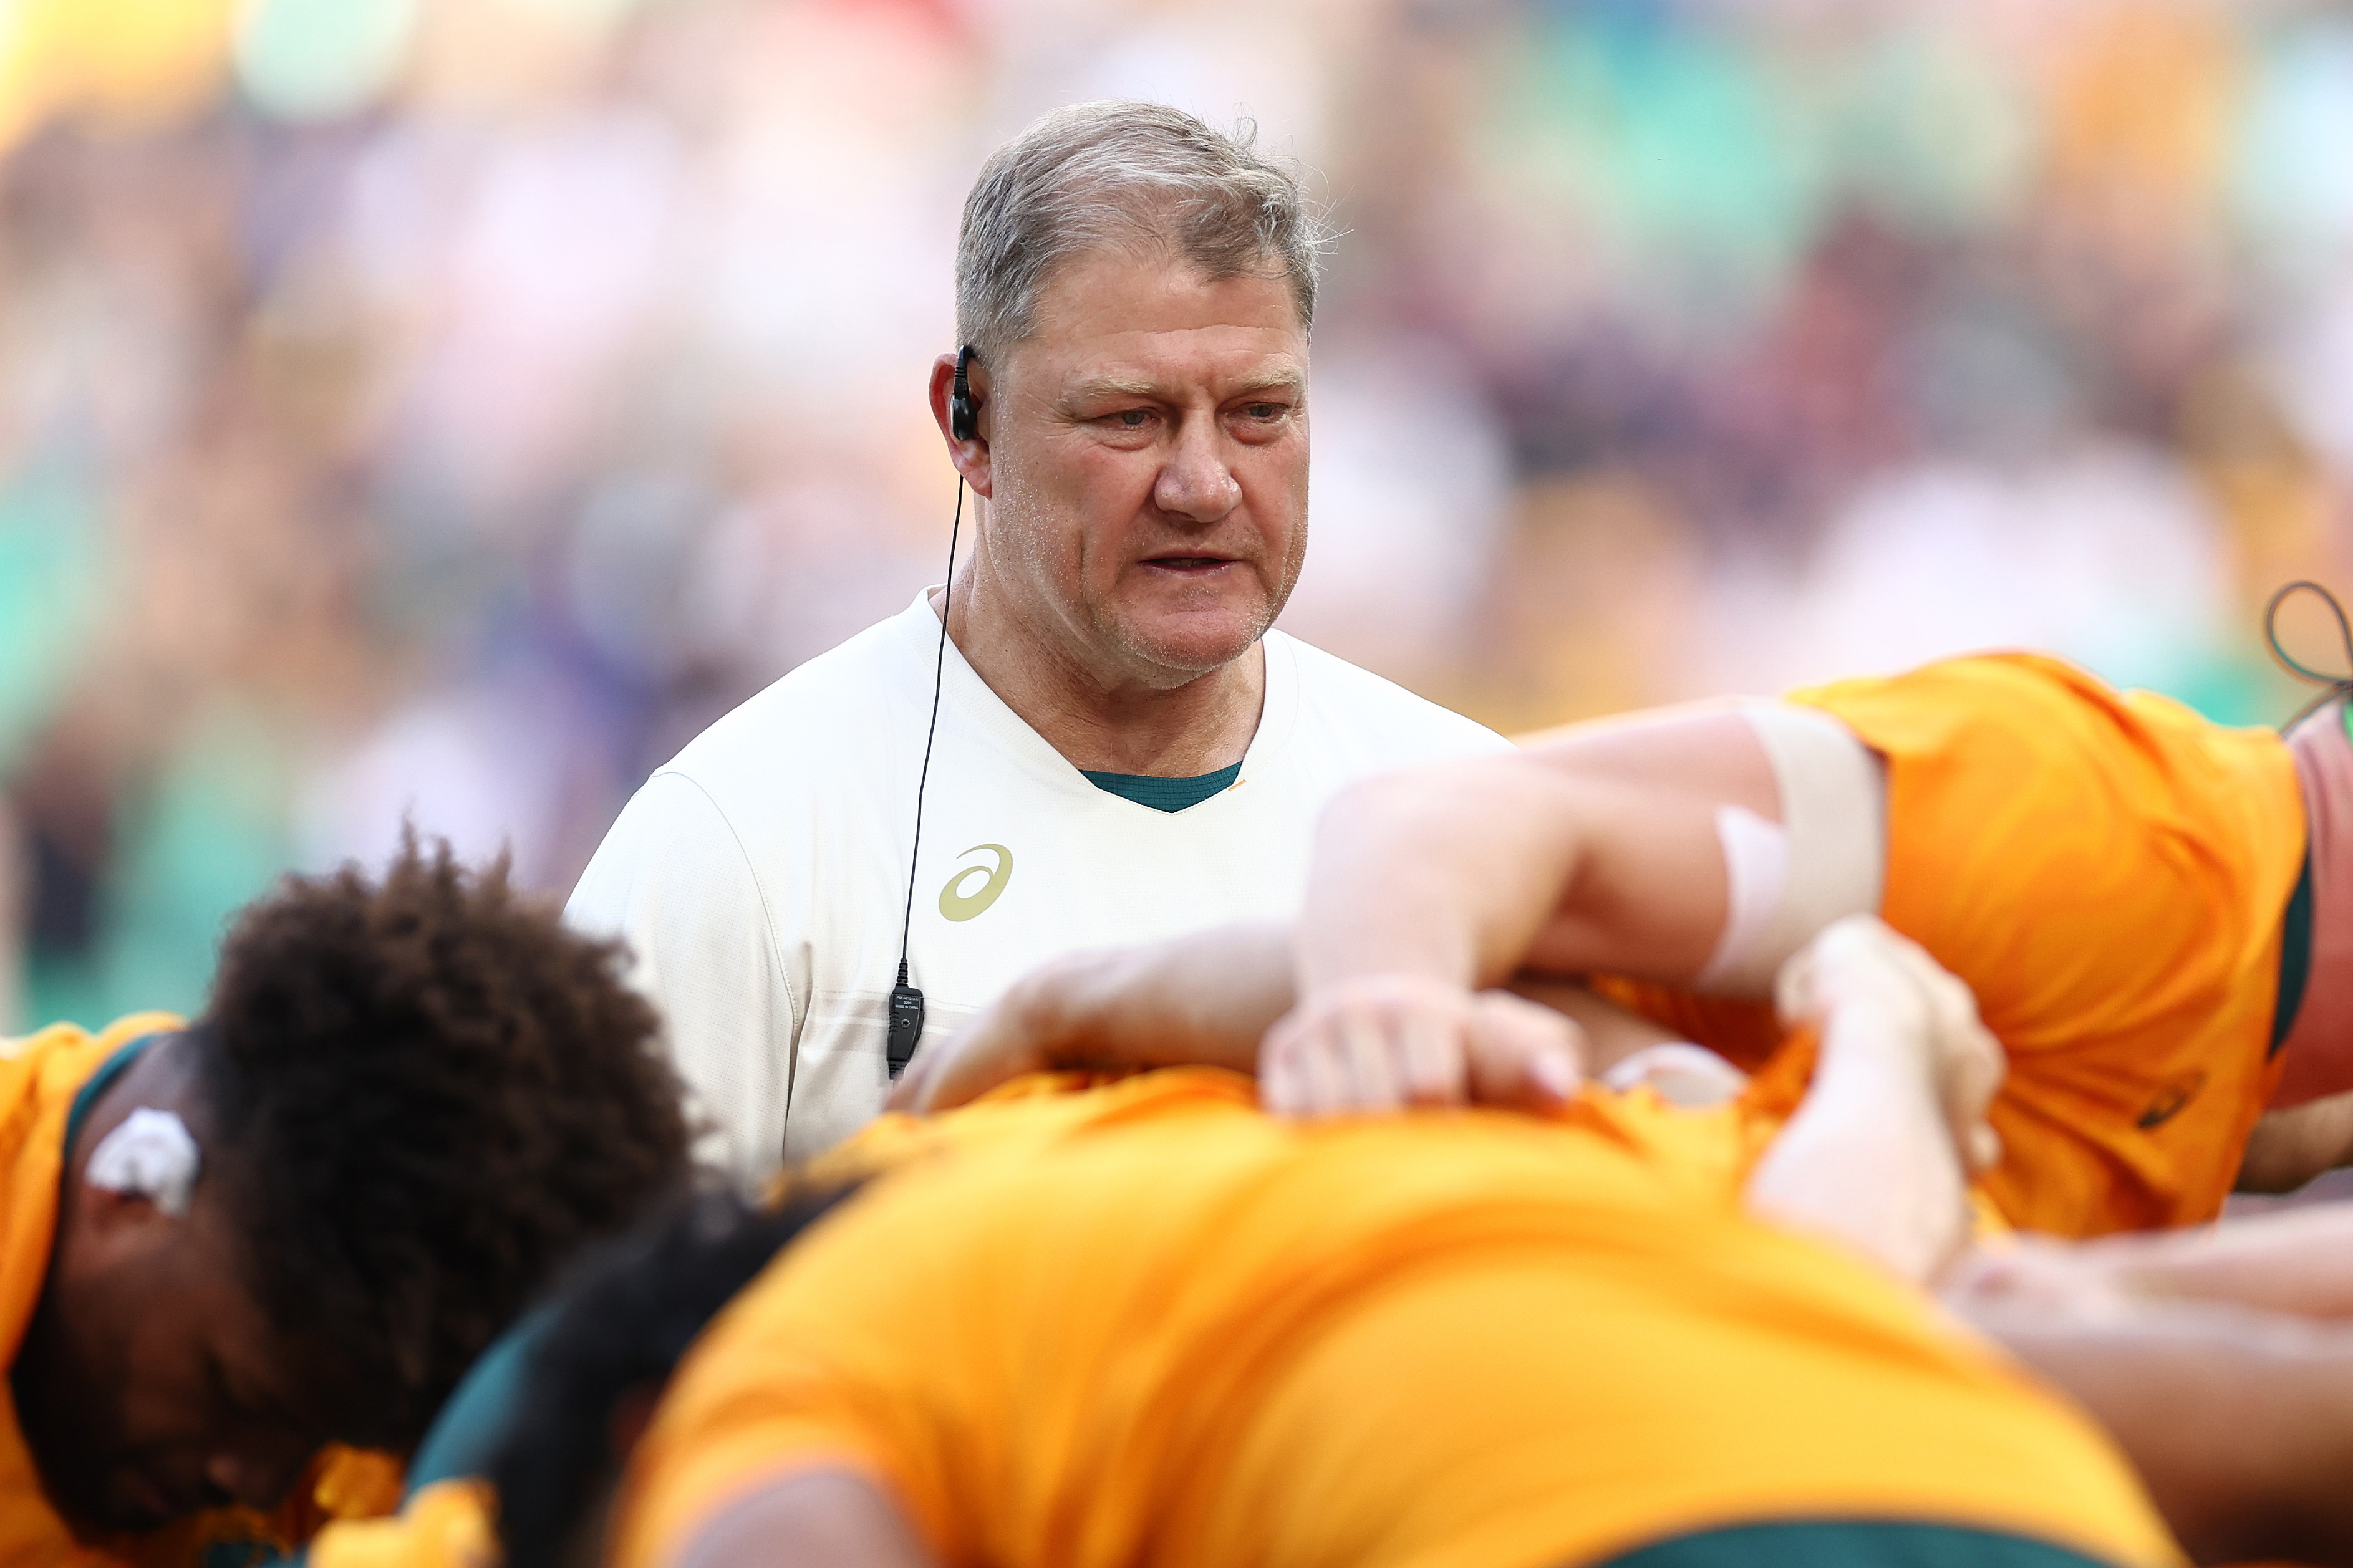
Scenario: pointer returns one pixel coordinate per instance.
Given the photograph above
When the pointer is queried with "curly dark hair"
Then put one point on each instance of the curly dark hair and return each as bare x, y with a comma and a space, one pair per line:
427, 1096
615, 1337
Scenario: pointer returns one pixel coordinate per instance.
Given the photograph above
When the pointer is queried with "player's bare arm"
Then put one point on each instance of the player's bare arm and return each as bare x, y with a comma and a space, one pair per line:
2235, 1416
2289, 1147
1204, 998
832, 1517
1210, 998
1614, 846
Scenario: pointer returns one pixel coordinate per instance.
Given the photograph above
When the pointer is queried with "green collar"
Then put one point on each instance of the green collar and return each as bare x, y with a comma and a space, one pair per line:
113, 1068
1165, 795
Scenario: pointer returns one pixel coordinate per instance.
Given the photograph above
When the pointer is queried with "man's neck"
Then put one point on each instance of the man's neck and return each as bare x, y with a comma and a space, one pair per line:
1106, 721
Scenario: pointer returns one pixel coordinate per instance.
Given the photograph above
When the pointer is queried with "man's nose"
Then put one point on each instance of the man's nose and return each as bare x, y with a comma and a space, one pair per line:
1196, 481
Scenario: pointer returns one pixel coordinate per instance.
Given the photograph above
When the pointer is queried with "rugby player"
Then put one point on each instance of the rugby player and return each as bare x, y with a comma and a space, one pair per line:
1148, 1321
2154, 913
297, 1220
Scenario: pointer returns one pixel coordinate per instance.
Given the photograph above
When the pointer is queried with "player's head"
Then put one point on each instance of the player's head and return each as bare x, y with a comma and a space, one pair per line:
1137, 288
598, 1370
408, 1102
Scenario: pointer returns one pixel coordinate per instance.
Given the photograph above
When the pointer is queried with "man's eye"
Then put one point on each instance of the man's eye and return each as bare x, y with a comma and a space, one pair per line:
1267, 410
1134, 418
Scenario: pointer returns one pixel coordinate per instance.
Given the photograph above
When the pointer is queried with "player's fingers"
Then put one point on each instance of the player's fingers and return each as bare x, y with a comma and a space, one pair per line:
1275, 1050
1970, 1063
1522, 1055
1793, 988
1274, 1090
992, 1048
1974, 1067
1319, 1086
1279, 1088
1859, 971
1371, 1078
949, 1074
1952, 1005
1430, 1054
962, 1077
1845, 967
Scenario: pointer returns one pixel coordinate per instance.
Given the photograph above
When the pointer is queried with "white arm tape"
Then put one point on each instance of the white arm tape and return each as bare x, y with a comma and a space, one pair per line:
150, 1154
1826, 858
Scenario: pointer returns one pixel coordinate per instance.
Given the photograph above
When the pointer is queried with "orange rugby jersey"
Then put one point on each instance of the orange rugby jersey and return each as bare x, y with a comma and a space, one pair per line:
2108, 872
1147, 1323
40, 1077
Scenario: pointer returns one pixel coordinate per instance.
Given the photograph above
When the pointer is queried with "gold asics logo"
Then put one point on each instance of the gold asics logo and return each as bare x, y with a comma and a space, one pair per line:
958, 903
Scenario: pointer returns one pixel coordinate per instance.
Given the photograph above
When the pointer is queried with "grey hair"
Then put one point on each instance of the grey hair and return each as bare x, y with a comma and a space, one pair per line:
1128, 176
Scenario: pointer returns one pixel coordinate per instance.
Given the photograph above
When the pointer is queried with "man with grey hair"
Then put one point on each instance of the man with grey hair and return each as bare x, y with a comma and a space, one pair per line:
1108, 743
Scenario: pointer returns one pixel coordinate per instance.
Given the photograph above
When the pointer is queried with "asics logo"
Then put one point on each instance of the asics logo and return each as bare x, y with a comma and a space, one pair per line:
961, 899
2171, 1099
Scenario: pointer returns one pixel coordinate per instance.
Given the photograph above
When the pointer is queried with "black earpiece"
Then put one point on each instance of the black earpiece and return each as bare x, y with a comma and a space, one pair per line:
964, 414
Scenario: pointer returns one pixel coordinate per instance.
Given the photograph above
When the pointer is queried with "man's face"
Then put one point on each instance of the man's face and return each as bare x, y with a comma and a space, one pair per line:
152, 1386
1148, 465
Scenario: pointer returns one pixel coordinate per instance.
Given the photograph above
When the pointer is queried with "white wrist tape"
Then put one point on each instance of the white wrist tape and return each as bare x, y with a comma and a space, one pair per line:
1825, 858
1756, 876
152, 1155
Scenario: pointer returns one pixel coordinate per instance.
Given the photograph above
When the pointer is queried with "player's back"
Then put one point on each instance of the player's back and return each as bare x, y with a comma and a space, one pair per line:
1148, 1324
2108, 872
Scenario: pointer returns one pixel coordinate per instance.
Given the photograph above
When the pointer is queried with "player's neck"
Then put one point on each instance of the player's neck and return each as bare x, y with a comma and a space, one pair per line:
1100, 717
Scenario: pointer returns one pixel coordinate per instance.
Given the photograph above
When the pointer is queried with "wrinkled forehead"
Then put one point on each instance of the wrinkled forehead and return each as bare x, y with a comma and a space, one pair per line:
1149, 323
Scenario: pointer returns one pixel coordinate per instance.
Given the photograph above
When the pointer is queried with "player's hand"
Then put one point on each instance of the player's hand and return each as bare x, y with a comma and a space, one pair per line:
1387, 1041
1865, 986
1005, 1041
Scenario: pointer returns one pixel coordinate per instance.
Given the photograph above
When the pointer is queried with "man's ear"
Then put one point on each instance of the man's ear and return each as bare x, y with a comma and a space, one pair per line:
970, 456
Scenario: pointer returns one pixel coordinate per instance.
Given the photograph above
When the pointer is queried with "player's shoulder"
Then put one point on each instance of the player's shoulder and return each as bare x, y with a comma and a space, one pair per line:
2021, 699
1394, 727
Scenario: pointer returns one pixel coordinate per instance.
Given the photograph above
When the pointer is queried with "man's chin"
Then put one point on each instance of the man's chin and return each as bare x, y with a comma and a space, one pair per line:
1189, 645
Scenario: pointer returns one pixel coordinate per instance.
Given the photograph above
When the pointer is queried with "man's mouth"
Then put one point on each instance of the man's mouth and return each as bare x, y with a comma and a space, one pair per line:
1190, 564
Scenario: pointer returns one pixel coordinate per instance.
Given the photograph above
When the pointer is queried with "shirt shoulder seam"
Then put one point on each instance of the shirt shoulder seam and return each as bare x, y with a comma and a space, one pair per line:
767, 920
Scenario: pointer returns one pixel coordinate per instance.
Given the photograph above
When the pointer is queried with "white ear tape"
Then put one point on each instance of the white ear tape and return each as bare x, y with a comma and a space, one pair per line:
151, 1155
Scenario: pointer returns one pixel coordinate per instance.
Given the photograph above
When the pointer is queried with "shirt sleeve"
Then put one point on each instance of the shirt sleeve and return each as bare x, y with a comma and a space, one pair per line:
874, 1347
671, 879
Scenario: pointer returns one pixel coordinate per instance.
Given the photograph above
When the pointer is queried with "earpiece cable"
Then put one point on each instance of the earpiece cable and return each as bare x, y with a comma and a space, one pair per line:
931, 731
2334, 686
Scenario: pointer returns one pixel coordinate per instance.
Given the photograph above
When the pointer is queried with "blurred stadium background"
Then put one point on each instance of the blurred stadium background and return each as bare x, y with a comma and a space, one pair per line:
451, 406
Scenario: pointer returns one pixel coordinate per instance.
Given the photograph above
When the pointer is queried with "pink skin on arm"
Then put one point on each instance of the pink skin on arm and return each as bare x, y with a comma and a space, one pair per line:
812, 1519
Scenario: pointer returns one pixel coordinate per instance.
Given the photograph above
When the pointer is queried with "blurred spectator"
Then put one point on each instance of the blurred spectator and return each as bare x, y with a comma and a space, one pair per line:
444, 408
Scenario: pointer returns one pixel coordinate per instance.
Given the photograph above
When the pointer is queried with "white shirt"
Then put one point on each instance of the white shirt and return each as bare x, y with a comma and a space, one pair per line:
760, 878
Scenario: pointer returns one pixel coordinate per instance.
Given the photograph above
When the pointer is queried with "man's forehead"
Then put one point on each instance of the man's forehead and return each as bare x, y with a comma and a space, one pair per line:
1112, 314
1222, 372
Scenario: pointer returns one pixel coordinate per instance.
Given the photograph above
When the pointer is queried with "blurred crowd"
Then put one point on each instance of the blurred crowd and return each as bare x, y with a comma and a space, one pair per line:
443, 408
